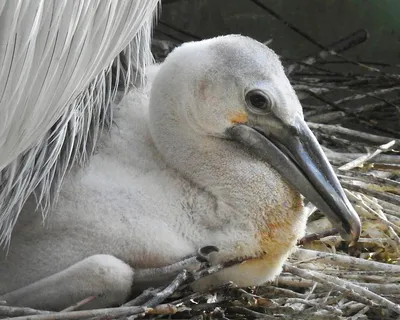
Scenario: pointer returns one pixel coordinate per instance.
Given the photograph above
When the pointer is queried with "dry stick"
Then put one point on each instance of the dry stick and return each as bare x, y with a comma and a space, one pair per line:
337, 239
198, 295
79, 304
339, 142
361, 160
326, 117
104, 313
346, 261
158, 295
318, 111
210, 305
390, 166
336, 80
285, 313
274, 292
379, 288
317, 236
353, 82
360, 313
371, 207
145, 296
376, 275
288, 24
372, 106
310, 39
339, 283
296, 282
377, 63
360, 118
193, 296
391, 198
310, 303
359, 96
383, 288
7, 311
169, 290
373, 280
352, 307
393, 219
388, 207
366, 137
250, 313
387, 184
382, 162
254, 299
344, 44
180, 279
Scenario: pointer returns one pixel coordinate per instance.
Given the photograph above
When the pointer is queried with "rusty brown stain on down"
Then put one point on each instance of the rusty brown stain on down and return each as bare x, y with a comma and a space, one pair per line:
238, 117
202, 90
276, 236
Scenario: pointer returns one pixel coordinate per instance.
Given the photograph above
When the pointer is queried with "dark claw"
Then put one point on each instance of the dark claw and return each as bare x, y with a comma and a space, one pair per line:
207, 250
202, 253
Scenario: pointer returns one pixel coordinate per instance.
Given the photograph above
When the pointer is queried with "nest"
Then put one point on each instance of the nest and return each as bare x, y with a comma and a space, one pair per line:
355, 116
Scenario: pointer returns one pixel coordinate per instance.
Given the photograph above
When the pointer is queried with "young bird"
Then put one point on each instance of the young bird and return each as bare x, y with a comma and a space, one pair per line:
217, 153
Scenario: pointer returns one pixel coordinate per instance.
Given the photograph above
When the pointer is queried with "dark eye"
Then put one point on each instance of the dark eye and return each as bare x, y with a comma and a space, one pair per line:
258, 100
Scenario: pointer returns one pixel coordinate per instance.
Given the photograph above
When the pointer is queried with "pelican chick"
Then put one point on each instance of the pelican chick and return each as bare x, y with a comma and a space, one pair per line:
218, 155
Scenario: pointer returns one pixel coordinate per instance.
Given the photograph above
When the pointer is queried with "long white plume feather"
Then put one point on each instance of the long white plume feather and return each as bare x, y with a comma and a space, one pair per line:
61, 64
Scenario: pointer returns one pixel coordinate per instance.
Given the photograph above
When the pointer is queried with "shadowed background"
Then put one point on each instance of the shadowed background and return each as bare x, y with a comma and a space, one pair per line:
324, 20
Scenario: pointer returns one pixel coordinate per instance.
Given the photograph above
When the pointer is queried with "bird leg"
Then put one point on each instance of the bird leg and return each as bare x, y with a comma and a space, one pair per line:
106, 277
144, 278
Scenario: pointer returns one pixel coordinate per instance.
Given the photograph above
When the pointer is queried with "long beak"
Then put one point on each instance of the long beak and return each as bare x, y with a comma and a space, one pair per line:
296, 155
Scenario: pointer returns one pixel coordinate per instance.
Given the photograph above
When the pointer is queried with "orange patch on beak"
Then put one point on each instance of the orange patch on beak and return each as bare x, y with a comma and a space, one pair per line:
239, 117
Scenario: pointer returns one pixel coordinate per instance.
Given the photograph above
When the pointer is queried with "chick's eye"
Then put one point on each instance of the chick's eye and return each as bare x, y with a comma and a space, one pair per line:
258, 100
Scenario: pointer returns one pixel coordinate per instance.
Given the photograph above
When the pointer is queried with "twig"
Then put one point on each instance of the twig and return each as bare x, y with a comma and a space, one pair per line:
393, 199
339, 283
381, 162
383, 183
341, 45
142, 298
362, 136
309, 303
273, 292
250, 313
369, 94
198, 295
360, 313
390, 166
346, 261
79, 304
169, 290
7, 311
326, 117
104, 313
317, 236
361, 160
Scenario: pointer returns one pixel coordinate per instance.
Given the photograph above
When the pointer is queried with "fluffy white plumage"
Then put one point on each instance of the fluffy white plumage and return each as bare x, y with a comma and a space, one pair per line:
166, 182
56, 83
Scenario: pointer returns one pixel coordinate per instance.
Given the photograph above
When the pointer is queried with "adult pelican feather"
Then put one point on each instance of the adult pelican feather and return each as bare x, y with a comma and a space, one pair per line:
213, 152
56, 85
